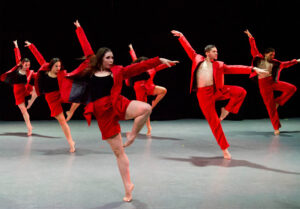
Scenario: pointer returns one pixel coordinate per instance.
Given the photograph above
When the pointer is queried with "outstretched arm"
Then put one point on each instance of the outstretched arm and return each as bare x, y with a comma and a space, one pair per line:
17, 52
288, 64
132, 53
254, 50
185, 44
241, 69
85, 45
39, 57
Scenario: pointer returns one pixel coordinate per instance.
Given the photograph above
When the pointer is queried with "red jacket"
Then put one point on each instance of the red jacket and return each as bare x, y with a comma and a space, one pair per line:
277, 65
120, 73
219, 68
45, 67
29, 73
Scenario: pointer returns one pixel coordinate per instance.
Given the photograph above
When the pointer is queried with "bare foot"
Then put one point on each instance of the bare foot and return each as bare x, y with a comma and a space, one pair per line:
277, 105
149, 131
276, 132
226, 154
69, 115
128, 194
29, 132
130, 139
224, 113
72, 147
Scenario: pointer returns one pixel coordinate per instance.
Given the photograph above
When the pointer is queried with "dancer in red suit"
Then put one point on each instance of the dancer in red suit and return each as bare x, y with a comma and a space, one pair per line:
49, 81
144, 86
270, 83
207, 77
104, 100
22, 80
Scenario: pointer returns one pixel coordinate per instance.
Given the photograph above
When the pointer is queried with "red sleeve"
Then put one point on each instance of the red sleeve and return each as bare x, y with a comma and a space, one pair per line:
132, 54
237, 69
187, 47
39, 57
288, 63
254, 50
80, 68
17, 55
85, 45
162, 66
137, 68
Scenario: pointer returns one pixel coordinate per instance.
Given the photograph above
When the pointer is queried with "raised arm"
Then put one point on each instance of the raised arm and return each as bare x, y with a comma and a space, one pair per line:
39, 57
132, 53
254, 50
85, 45
288, 64
17, 52
185, 44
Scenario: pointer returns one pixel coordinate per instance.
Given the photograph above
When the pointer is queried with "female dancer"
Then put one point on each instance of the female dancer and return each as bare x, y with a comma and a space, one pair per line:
22, 80
48, 81
144, 86
107, 105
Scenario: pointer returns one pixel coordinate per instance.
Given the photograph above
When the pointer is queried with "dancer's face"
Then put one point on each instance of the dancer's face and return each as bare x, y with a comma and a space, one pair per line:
56, 67
108, 60
212, 54
270, 56
26, 65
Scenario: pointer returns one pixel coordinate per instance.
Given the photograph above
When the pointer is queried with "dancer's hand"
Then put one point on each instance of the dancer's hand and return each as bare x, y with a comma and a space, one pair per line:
248, 33
260, 71
15, 43
176, 33
76, 23
27, 43
130, 46
169, 63
298, 60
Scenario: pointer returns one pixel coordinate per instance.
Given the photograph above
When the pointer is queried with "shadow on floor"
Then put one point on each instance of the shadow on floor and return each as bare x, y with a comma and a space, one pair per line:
144, 136
65, 151
221, 162
260, 133
24, 134
135, 204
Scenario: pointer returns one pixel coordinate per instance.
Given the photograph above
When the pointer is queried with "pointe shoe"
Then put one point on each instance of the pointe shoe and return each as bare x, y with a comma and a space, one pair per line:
276, 132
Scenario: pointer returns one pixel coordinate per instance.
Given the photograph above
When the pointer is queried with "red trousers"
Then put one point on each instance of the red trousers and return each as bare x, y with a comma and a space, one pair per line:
267, 87
236, 96
206, 99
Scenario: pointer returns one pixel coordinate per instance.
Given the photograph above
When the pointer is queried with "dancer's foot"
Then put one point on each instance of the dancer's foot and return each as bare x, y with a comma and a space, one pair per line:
149, 131
276, 132
29, 132
277, 105
130, 139
226, 154
72, 147
69, 115
224, 113
128, 194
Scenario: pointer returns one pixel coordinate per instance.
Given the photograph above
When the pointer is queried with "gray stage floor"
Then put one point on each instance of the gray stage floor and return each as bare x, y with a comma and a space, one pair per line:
179, 167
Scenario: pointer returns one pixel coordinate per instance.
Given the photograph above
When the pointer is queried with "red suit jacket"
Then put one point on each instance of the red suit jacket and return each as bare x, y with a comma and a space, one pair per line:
277, 65
219, 68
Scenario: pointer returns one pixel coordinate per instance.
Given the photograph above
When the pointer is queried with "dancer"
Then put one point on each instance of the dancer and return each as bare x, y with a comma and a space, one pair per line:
144, 86
208, 79
270, 83
106, 104
22, 80
48, 81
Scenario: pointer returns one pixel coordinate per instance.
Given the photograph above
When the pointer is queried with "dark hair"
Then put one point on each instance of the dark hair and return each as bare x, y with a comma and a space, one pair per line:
25, 60
53, 61
268, 50
140, 59
209, 47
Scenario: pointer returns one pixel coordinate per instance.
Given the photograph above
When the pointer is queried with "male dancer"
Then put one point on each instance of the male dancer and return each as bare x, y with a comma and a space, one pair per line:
208, 79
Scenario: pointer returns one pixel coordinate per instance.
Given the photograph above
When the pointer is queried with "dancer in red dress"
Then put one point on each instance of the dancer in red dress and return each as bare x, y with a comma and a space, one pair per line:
49, 81
22, 80
102, 83
270, 83
207, 78
144, 86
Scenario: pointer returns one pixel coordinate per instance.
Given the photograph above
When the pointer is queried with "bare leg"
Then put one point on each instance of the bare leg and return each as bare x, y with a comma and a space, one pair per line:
116, 145
160, 92
66, 129
70, 113
226, 154
32, 99
276, 132
139, 111
148, 127
26, 118
277, 105
224, 113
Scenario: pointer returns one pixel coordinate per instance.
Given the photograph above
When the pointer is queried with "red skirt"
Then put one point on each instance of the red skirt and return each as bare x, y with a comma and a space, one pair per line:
20, 93
54, 102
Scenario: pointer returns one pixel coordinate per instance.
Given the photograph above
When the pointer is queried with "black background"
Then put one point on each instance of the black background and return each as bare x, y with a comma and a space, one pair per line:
147, 25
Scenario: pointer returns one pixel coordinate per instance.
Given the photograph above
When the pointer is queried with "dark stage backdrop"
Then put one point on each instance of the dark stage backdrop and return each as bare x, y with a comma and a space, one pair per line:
147, 25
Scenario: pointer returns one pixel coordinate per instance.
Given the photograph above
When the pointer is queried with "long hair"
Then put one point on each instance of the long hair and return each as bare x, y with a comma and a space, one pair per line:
53, 61
140, 59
